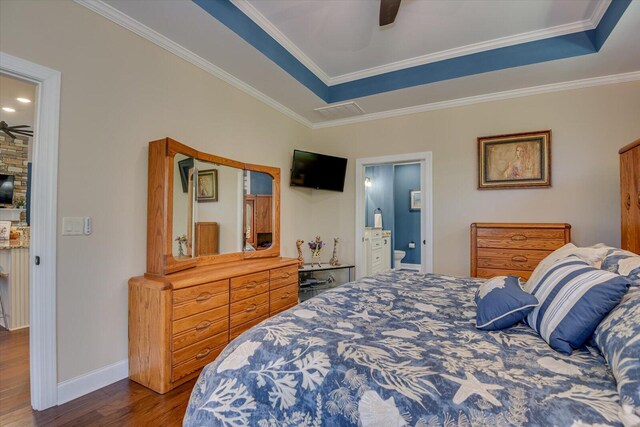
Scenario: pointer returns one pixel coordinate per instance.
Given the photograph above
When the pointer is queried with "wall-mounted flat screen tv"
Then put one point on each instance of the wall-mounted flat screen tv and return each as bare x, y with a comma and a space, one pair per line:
319, 171
6, 189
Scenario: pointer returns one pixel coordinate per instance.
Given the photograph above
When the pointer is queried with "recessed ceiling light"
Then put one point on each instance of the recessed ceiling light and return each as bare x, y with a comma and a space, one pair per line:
9, 109
23, 100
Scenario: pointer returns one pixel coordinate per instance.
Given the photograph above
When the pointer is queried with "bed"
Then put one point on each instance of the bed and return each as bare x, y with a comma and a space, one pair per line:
397, 349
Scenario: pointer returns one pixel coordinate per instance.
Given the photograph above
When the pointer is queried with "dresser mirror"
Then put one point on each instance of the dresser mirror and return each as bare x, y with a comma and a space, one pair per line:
217, 209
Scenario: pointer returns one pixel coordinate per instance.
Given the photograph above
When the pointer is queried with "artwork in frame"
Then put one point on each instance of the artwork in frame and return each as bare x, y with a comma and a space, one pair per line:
207, 187
416, 200
521, 160
185, 166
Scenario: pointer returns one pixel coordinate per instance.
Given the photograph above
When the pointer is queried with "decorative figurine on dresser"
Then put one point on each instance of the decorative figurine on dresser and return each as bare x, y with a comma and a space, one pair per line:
187, 308
300, 257
316, 247
334, 258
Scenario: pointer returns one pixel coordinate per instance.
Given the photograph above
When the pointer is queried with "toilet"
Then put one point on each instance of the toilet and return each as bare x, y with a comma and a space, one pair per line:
398, 256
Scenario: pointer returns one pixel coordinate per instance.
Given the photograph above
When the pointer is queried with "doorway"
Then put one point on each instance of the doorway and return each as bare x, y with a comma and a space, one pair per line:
41, 263
394, 214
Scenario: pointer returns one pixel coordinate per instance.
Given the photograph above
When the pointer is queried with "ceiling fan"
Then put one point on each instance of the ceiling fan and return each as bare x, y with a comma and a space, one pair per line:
388, 11
18, 130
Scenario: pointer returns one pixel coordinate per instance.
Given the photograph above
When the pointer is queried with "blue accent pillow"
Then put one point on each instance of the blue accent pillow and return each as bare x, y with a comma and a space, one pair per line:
618, 338
624, 263
574, 298
502, 303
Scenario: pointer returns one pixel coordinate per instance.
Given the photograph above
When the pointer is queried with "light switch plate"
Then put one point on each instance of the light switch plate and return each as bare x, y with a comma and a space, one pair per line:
72, 226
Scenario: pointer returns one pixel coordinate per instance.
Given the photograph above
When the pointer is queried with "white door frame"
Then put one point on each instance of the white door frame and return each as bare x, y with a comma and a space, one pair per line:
44, 187
426, 208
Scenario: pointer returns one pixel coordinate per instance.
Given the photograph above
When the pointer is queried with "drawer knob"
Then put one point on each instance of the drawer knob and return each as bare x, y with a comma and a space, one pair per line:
203, 353
251, 285
519, 258
638, 199
253, 307
285, 275
519, 237
203, 296
286, 295
628, 202
203, 325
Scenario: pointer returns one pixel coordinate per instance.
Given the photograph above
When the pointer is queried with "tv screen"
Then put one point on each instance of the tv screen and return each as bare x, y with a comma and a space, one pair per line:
318, 171
6, 189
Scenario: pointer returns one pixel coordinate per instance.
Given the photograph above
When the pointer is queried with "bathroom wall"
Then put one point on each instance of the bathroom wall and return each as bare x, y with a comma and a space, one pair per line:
261, 183
407, 222
380, 195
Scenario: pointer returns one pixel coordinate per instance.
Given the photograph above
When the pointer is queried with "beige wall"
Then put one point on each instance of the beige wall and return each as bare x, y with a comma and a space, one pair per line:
588, 127
118, 92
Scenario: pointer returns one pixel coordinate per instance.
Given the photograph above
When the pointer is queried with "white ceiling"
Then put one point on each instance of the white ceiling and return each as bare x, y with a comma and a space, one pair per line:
343, 37
423, 29
10, 89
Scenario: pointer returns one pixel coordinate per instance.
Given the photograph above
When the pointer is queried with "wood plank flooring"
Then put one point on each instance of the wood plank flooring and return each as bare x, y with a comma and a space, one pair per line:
124, 403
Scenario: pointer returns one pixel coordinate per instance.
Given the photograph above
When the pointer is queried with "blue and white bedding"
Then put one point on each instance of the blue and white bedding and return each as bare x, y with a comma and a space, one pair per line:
399, 349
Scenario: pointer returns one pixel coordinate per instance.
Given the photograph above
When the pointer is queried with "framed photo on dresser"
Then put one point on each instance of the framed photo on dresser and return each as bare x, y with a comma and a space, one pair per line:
521, 160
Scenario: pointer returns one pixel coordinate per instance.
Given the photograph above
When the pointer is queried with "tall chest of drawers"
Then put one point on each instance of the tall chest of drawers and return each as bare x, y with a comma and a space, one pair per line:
503, 249
180, 322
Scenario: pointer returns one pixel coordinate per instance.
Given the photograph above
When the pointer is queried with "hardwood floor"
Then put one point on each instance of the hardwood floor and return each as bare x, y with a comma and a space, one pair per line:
124, 403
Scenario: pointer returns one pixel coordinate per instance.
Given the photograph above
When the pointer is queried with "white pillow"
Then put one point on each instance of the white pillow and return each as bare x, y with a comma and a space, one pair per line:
590, 254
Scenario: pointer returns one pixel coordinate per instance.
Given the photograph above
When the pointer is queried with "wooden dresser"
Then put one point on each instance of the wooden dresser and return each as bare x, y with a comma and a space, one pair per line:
630, 196
504, 249
187, 308
180, 322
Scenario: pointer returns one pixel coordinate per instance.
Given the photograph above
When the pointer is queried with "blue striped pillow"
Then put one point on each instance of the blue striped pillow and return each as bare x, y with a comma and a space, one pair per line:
574, 298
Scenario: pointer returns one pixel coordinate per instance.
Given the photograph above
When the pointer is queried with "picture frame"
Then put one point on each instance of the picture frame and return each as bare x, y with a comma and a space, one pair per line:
5, 230
207, 186
415, 200
513, 161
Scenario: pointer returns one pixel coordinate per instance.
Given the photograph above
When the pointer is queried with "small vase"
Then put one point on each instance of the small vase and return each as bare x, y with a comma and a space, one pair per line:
315, 259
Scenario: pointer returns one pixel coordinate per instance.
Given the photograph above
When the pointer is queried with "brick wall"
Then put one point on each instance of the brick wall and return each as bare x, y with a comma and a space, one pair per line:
14, 156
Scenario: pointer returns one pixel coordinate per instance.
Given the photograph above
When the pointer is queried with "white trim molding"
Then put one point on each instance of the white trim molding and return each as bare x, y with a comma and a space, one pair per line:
426, 207
124, 20
496, 96
92, 381
42, 292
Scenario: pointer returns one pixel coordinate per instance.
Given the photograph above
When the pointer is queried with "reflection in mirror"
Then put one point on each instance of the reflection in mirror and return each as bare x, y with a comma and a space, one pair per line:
218, 209
258, 211
182, 205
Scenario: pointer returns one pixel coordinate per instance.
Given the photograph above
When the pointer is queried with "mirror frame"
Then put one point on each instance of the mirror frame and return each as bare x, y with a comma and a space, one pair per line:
160, 259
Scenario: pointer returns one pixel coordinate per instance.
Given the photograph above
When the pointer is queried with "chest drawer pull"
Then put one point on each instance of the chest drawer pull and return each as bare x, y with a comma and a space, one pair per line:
203, 296
203, 325
253, 307
251, 285
285, 275
519, 237
286, 295
519, 258
203, 353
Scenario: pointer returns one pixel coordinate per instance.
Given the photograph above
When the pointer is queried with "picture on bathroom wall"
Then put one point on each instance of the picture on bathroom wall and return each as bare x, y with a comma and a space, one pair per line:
515, 161
416, 200
207, 189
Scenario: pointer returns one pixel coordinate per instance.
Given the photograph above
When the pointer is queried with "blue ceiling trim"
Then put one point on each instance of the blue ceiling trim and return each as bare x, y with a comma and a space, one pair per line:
233, 18
559, 47
610, 20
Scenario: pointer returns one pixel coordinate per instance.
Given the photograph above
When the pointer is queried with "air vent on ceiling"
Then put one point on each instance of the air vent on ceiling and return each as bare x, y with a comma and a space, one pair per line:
340, 111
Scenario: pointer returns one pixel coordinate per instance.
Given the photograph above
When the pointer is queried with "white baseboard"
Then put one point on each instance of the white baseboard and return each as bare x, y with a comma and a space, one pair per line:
92, 381
409, 266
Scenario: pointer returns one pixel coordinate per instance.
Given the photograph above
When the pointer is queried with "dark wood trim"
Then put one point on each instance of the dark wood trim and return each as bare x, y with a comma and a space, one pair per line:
628, 147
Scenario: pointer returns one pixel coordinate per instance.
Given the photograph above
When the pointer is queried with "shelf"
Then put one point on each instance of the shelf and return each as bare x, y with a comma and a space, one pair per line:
323, 267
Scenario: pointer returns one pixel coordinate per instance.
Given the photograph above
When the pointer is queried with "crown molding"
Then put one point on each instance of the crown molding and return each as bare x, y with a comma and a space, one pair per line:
114, 15
497, 96
257, 17
560, 30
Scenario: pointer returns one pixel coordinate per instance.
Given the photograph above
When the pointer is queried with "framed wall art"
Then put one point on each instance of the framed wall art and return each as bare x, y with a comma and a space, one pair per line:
207, 188
521, 160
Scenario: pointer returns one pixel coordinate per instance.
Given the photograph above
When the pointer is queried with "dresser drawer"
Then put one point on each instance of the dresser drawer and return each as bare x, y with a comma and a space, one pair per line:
376, 257
240, 329
376, 244
197, 299
510, 259
283, 276
192, 329
194, 357
521, 238
247, 286
283, 308
375, 233
249, 309
488, 273
284, 296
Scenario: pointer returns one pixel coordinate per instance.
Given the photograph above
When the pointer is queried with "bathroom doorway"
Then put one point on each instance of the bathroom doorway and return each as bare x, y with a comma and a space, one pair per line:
393, 214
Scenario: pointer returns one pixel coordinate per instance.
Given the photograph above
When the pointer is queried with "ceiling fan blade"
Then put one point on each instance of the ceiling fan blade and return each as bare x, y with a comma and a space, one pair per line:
388, 11
19, 126
23, 132
12, 136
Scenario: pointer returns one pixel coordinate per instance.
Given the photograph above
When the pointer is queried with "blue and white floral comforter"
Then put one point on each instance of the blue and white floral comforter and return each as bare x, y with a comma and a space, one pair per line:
399, 349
